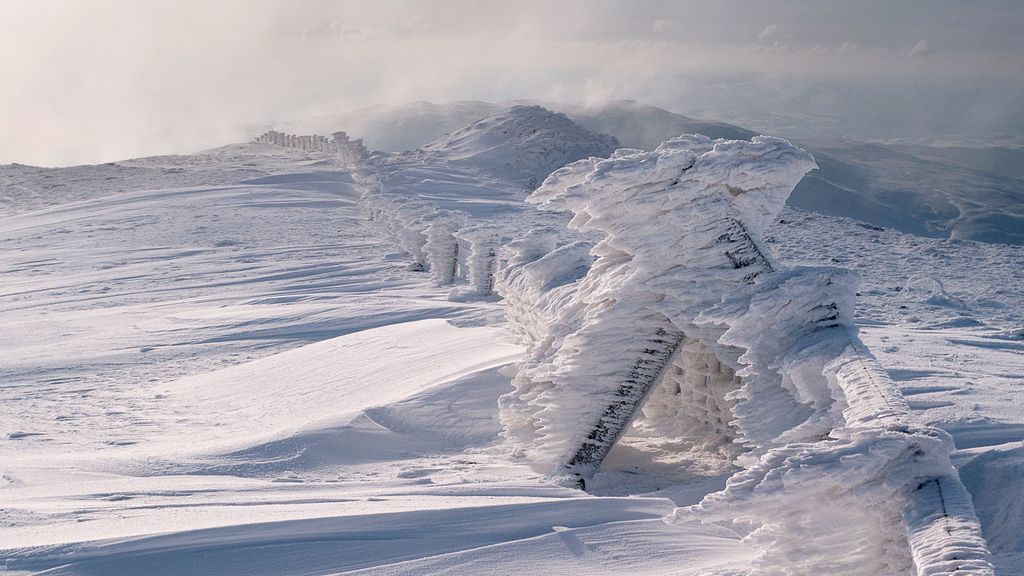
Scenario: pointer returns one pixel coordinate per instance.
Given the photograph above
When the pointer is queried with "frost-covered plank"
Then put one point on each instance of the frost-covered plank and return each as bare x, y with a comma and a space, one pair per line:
681, 227
834, 461
943, 531
484, 242
622, 409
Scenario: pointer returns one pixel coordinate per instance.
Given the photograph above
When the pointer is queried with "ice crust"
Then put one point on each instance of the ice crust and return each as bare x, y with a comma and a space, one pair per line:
684, 313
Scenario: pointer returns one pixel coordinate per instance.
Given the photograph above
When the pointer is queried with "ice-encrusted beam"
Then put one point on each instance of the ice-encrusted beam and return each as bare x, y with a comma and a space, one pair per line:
692, 209
647, 370
484, 241
745, 252
943, 531
912, 512
833, 453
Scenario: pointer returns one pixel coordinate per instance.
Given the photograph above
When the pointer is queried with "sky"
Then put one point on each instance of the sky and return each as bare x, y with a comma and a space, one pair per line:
84, 81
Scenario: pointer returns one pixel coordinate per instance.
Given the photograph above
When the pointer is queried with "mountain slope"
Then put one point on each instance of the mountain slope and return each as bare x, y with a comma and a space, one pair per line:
523, 144
938, 192
639, 125
409, 126
244, 378
926, 197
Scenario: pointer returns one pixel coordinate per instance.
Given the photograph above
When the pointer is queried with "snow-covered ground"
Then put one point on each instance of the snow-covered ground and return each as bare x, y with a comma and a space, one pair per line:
214, 364
939, 190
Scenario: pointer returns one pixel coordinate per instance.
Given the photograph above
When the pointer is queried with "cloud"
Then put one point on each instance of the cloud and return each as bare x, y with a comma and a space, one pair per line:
156, 76
662, 26
920, 48
768, 32
847, 47
333, 31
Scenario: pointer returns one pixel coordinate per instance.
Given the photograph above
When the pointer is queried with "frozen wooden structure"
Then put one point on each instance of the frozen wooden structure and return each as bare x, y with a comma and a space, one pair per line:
350, 151
680, 314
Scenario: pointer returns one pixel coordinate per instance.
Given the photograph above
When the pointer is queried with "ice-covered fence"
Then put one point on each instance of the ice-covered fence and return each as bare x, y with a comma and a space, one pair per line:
684, 314
403, 221
484, 241
881, 482
442, 245
309, 142
350, 151
439, 241
679, 226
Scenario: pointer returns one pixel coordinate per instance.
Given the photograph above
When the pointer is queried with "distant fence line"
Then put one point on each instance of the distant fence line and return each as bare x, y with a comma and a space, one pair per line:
350, 150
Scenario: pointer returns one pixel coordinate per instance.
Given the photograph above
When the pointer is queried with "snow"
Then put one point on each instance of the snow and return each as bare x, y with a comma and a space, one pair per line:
215, 364
247, 364
683, 195
938, 191
524, 143
799, 392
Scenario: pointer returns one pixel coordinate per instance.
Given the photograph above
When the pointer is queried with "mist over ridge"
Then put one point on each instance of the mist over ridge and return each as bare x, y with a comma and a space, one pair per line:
89, 82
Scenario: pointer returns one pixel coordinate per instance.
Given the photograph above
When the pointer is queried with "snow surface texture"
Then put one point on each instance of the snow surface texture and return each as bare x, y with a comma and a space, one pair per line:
798, 374
525, 142
213, 365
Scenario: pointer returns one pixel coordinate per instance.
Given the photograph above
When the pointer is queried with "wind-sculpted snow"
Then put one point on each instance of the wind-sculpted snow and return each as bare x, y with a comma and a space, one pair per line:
484, 241
700, 205
685, 310
442, 247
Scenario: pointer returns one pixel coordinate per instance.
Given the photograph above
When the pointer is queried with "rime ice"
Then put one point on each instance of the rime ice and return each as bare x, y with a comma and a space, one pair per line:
685, 316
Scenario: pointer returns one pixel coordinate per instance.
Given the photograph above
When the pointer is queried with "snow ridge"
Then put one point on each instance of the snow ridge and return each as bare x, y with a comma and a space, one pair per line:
524, 144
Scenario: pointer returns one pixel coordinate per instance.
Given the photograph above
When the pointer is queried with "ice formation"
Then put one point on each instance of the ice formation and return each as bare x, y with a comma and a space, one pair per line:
350, 151
441, 242
700, 206
686, 322
442, 245
484, 241
404, 222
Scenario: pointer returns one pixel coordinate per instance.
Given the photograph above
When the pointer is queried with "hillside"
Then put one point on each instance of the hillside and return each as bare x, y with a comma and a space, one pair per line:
409, 126
246, 376
523, 144
962, 193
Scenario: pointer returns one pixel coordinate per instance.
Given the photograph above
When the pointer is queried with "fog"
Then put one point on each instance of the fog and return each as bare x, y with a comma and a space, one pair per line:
100, 80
